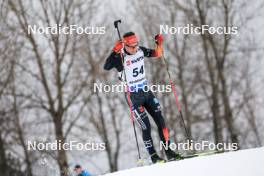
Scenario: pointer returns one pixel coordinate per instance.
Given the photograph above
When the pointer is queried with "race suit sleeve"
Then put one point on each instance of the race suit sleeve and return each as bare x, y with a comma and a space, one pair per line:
114, 61
151, 52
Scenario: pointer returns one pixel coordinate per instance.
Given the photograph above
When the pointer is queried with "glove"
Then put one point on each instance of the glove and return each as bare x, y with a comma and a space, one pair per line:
159, 39
118, 46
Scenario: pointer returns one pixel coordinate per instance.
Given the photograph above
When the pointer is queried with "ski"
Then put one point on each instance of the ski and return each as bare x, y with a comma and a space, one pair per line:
202, 154
197, 155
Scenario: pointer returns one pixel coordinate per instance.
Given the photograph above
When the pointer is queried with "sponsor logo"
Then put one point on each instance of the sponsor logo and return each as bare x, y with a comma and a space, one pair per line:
137, 59
128, 62
148, 144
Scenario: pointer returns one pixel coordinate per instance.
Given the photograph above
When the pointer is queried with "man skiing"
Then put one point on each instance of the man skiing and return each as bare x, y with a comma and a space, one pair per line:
128, 58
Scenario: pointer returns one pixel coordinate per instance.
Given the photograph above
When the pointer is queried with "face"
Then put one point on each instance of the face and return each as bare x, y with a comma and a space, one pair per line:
132, 48
78, 170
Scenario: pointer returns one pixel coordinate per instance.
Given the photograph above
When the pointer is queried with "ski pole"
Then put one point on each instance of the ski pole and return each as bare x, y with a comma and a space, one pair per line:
127, 89
176, 97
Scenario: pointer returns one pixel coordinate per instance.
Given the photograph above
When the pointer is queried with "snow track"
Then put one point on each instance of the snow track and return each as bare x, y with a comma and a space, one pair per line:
248, 162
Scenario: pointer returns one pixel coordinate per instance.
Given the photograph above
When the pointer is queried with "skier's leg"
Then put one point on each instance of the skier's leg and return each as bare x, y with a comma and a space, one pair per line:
142, 120
141, 117
154, 109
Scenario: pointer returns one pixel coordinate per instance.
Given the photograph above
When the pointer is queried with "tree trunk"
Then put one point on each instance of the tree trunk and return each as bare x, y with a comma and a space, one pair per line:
3, 161
62, 157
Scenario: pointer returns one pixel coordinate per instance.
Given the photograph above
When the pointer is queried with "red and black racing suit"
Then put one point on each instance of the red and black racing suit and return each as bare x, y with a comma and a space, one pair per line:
142, 102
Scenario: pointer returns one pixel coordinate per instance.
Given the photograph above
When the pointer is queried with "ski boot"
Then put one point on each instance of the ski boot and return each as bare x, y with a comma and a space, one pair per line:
156, 159
173, 156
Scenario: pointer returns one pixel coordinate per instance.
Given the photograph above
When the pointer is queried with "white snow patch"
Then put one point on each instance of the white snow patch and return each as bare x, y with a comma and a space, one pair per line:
240, 163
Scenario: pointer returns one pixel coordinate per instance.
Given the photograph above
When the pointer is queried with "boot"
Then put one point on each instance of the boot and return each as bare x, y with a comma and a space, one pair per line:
171, 155
156, 159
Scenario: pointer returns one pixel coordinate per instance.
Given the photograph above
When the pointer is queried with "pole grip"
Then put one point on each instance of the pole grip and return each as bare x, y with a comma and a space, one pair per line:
116, 26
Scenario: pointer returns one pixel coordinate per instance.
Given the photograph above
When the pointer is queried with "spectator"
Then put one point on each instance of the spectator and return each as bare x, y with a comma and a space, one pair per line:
81, 172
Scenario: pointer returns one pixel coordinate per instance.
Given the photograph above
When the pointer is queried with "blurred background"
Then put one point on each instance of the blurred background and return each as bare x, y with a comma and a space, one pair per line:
46, 81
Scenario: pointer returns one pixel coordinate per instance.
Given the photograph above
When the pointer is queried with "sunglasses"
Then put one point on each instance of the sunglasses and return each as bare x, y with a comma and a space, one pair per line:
132, 47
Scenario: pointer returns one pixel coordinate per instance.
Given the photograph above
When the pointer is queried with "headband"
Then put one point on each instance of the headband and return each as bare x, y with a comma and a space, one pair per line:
130, 40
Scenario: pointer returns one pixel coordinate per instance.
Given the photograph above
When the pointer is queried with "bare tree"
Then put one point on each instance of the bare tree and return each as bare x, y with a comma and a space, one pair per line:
211, 63
57, 71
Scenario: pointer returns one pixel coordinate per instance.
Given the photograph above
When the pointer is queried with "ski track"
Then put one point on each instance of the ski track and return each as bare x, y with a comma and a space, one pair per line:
248, 162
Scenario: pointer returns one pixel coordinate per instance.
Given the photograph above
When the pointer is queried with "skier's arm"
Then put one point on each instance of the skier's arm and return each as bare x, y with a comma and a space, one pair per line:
114, 59
158, 49
157, 52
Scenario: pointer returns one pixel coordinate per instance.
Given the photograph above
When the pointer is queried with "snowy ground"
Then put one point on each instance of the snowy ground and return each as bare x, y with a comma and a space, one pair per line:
248, 162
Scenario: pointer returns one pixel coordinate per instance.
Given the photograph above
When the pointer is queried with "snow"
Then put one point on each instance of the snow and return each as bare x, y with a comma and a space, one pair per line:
248, 162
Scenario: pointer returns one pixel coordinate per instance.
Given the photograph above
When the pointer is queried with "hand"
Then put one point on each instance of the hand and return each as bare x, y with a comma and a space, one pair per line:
118, 46
159, 39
